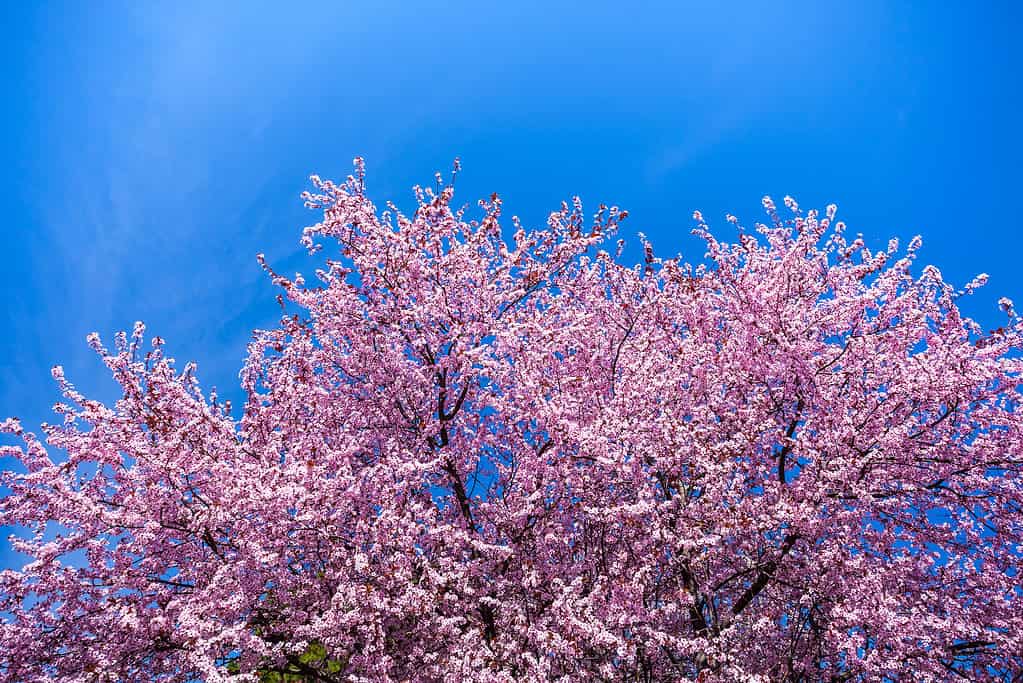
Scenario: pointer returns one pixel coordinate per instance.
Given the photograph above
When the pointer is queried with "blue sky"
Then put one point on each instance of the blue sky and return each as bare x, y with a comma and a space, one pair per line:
151, 150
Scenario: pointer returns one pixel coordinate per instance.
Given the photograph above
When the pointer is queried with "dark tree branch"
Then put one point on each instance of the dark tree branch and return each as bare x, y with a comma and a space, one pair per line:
764, 576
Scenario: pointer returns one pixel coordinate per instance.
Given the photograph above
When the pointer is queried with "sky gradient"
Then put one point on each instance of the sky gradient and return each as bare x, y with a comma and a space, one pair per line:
152, 150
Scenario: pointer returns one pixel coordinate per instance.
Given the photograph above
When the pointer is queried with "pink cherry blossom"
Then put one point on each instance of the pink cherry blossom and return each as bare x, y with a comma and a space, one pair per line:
468, 458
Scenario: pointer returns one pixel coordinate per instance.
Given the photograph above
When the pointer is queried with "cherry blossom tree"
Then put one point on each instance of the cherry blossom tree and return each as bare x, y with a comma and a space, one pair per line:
463, 457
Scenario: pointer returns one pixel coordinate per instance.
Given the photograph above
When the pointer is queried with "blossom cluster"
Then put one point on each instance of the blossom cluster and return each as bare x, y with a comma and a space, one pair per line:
472, 451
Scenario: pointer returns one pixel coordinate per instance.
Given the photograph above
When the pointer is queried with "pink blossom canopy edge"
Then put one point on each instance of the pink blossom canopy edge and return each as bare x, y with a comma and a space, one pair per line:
489, 460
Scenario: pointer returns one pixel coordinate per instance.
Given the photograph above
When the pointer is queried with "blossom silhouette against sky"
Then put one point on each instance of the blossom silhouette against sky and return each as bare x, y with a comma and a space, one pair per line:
151, 151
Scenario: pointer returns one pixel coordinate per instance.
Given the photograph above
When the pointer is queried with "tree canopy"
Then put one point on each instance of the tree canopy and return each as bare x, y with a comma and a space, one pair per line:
463, 456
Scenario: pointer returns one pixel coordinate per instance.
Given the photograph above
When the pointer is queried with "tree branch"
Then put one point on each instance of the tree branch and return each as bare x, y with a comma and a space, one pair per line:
764, 576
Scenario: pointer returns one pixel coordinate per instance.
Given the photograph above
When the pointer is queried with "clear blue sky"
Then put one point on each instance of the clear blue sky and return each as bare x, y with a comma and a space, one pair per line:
150, 150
